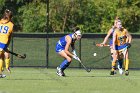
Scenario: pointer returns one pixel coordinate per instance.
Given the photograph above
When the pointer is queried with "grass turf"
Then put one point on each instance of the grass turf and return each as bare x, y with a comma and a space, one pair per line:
42, 80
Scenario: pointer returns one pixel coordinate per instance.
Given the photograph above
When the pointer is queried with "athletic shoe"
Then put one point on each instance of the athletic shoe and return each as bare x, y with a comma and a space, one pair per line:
126, 72
60, 72
2, 76
63, 74
112, 73
120, 71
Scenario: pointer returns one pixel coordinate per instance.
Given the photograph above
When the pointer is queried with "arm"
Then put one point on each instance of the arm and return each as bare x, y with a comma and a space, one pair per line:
114, 40
129, 37
9, 39
107, 36
73, 49
68, 40
10, 36
72, 46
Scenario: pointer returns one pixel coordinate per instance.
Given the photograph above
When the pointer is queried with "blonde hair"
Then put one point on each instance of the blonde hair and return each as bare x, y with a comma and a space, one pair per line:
117, 19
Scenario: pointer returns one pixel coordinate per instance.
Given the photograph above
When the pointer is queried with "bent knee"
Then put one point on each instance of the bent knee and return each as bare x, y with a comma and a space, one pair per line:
69, 59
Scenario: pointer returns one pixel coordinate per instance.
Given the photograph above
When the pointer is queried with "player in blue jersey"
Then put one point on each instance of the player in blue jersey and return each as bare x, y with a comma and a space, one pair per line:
110, 34
62, 48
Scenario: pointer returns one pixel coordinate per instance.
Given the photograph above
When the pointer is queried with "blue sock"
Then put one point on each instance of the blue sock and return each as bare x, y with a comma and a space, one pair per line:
64, 64
120, 63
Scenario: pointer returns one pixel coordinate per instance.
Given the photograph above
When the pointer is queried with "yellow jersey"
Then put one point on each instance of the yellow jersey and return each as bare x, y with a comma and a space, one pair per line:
6, 28
120, 37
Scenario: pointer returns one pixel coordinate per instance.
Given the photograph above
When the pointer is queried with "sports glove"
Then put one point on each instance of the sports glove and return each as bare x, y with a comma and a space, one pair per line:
74, 52
75, 57
128, 45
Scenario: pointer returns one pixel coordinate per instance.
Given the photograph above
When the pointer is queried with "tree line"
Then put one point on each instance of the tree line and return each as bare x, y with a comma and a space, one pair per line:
92, 16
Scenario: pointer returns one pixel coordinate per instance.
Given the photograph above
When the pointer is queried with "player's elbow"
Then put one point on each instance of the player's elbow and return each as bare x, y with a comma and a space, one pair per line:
66, 51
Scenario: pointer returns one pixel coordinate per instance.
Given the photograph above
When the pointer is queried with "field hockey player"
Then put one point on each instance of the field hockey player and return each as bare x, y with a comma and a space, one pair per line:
121, 42
62, 48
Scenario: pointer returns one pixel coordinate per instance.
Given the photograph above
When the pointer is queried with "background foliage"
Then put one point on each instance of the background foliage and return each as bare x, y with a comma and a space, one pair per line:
92, 16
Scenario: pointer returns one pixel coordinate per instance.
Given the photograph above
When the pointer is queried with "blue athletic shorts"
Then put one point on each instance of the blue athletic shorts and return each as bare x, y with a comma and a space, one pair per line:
59, 48
3, 46
120, 47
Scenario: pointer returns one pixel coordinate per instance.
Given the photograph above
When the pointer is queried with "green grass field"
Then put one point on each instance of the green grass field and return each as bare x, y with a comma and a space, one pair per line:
42, 80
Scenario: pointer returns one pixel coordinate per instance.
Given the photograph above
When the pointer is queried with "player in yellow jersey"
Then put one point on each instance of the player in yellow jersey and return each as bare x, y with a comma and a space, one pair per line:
6, 59
121, 41
110, 34
6, 29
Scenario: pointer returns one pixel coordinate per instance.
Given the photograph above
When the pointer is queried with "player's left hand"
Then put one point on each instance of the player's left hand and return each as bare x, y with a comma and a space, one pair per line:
74, 52
128, 45
76, 57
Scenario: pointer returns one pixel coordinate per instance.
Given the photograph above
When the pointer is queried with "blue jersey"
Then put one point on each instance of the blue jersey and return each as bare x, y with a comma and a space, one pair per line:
62, 43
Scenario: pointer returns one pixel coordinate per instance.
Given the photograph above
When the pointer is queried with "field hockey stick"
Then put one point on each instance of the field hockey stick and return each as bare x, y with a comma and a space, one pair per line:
87, 69
124, 52
101, 45
17, 55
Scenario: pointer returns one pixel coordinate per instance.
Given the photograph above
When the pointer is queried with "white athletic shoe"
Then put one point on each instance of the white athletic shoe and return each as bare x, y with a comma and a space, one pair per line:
59, 71
2, 76
120, 71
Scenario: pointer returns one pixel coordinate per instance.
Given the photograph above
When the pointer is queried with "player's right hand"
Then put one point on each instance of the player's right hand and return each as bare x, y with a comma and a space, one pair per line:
101, 45
128, 45
75, 57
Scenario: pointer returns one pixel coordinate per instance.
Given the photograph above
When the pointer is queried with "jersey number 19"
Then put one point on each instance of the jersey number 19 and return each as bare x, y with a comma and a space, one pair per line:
4, 29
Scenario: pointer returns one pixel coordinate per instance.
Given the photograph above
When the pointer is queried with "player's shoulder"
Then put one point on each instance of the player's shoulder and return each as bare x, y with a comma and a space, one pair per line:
11, 23
124, 29
1, 21
68, 37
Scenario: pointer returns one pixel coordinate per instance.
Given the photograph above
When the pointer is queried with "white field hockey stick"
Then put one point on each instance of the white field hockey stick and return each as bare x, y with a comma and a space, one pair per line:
87, 69
124, 52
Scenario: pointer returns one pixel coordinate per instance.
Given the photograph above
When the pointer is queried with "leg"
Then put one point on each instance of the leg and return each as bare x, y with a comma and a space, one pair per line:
126, 64
64, 64
7, 61
111, 50
115, 72
1, 65
120, 62
114, 62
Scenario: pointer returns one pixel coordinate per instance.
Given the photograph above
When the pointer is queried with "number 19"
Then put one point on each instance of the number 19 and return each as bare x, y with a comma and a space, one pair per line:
4, 29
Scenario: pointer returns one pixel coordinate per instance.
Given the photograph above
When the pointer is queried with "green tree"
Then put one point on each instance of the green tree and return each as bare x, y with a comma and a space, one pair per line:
2, 3
33, 17
92, 16
130, 14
